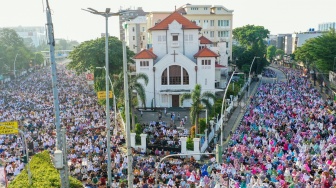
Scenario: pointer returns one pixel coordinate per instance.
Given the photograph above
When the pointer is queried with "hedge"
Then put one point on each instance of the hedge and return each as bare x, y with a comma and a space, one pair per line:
44, 174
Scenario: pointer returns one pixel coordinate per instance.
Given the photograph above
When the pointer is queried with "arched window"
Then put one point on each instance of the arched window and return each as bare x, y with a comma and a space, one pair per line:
175, 75
185, 77
164, 78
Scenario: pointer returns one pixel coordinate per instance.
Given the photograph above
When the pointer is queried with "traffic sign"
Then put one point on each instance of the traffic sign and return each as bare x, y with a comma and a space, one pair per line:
102, 94
5, 127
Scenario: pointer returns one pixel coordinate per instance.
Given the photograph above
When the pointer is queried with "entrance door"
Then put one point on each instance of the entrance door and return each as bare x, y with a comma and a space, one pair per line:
175, 100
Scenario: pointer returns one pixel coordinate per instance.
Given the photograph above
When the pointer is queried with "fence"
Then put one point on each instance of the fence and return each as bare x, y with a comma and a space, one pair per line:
215, 126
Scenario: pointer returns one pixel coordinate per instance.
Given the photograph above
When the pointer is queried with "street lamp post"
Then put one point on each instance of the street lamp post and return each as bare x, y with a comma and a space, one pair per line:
106, 14
222, 109
114, 98
249, 81
14, 65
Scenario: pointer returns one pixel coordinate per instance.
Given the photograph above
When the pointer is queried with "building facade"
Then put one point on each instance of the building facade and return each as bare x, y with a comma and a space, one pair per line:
34, 36
300, 38
216, 22
178, 60
136, 34
126, 15
326, 26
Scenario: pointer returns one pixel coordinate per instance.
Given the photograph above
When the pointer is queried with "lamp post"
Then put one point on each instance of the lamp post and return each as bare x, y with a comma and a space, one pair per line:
222, 109
114, 98
106, 14
27, 154
249, 81
14, 65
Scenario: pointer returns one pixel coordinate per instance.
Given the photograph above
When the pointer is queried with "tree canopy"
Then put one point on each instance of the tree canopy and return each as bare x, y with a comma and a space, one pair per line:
271, 52
11, 46
91, 54
251, 44
199, 100
321, 51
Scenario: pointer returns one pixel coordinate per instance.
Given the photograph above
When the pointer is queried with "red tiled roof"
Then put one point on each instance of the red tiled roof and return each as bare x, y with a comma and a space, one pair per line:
204, 40
206, 52
187, 24
145, 54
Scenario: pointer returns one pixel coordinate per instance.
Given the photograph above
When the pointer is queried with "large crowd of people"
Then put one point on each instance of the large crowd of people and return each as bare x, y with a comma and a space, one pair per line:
286, 139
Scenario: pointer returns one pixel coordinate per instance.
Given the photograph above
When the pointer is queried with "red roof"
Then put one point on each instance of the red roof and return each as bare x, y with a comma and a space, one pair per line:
145, 54
204, 40
186, 24
206, 52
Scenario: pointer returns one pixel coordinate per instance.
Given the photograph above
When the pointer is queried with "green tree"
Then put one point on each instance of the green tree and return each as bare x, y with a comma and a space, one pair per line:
251, 39
91, 54
10, 45
198, 99
280, 52
320, 51
136, 86
271, 52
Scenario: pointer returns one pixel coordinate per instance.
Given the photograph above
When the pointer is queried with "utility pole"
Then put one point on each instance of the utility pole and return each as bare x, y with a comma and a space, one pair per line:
65, 155
128, 129
64, 174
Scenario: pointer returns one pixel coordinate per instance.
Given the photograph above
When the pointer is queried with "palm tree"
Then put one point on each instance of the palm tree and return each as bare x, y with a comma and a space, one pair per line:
138, 88
198, 100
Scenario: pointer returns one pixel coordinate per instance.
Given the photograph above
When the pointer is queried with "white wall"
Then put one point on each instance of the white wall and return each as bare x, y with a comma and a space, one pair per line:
159, 48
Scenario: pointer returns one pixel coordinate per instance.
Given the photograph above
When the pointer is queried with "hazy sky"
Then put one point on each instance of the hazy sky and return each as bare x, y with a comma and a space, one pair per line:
70, 22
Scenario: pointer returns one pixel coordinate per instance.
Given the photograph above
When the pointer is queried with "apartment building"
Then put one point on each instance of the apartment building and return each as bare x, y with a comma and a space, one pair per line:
136, 34
128, 14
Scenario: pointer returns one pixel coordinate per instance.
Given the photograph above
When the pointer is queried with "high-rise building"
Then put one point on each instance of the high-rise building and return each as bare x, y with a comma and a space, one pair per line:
326, 26
136, 33
128, 14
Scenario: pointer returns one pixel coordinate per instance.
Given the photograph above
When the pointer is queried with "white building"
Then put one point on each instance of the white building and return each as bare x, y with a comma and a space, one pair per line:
32, 35
215, 22
178, 60
136, 33
326, 26
298, 39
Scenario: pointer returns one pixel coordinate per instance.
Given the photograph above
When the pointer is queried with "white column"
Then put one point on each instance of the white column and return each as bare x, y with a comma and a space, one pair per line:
183, 145
143, 142
197, 148
133, 140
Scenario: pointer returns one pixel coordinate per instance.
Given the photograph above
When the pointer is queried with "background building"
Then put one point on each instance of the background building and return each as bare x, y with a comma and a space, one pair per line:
136, 34
128, 14
326, 26
300, 38
34, 36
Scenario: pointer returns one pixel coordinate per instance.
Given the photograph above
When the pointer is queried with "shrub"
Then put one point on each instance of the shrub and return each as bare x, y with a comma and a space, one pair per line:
138, 131
43, 173
190, 144
202, 125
